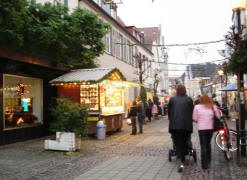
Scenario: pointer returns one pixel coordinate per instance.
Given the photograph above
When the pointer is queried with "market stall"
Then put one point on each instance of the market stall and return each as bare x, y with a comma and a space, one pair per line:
102, 89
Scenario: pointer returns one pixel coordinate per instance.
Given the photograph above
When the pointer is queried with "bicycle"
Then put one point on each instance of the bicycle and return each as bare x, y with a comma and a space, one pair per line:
226, 139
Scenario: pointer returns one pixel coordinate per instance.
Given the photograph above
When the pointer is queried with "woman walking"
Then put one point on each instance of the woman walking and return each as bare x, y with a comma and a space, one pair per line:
133, 115
203, 115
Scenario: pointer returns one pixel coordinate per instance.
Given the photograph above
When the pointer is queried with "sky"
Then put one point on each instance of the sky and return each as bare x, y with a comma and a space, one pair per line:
182, 21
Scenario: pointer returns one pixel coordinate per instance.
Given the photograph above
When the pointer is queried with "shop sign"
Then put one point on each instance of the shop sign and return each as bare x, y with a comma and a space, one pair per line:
90, 118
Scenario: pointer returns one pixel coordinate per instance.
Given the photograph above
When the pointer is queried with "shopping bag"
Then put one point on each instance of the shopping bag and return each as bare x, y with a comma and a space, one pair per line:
217, 123
128, 121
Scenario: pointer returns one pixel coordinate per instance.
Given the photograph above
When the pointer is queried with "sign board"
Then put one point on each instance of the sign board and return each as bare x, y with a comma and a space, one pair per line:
93, 118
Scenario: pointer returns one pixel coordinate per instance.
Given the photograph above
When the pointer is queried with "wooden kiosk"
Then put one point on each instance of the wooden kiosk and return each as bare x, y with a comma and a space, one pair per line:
102, 89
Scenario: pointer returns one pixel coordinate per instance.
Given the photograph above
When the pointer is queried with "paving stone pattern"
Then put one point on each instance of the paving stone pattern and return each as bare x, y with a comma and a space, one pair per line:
120, 156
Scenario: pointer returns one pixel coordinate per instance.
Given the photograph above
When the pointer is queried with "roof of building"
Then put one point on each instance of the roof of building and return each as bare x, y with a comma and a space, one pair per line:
87, 75
118, 23
152, 34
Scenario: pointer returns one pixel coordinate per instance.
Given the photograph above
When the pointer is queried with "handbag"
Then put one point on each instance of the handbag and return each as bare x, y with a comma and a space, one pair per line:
217, 123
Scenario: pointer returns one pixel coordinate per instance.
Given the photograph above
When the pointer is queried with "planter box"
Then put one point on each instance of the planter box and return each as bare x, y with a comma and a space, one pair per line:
65, 141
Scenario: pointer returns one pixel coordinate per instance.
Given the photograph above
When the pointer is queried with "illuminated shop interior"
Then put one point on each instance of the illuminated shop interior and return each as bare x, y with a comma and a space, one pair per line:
23, 101
105, 96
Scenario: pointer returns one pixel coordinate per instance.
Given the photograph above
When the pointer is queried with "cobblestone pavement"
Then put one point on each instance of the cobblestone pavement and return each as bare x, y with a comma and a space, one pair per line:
120, 156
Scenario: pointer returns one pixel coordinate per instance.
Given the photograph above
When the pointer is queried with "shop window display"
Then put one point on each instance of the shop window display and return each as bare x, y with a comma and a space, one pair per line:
23, 101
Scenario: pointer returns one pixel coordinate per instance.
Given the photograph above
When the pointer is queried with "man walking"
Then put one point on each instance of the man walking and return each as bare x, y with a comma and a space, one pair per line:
180, 109
140, 114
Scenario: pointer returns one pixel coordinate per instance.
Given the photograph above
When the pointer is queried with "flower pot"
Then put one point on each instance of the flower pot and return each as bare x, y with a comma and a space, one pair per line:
65, 141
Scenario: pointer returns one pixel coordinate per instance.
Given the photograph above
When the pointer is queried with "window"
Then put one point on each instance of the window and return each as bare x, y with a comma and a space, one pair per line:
89, 96
121, 47
124, 49
131, 54
65, 3
128, 52
22, 101
108, 42
114, 42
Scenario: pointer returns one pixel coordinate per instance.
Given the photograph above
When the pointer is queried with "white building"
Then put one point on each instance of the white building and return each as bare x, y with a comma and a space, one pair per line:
120, 51
155, 42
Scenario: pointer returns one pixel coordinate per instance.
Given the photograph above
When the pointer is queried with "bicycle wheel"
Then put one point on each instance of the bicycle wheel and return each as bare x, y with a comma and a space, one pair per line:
221, 141
228, 155
232, 141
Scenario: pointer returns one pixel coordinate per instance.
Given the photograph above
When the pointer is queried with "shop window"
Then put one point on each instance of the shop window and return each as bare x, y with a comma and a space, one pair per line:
23, 101
111, 97
89, 96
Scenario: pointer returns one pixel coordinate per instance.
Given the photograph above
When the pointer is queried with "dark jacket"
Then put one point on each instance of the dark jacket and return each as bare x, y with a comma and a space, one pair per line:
140, 108
150, 104
133, 111
180, 109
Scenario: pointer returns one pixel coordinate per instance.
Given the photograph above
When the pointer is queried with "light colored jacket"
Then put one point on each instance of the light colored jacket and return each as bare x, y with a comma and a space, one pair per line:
203, 116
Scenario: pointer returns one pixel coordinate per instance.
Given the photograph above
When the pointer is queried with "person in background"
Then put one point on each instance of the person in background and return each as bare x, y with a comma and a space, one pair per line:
162, 109
197, 101
165, 108
140, 114
215, 101
155, 111
132, 116
159, 109
149, 109
180, 109
203, 115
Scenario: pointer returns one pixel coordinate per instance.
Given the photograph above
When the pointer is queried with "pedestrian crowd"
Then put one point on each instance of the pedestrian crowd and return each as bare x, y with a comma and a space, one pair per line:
182, 112
138, 112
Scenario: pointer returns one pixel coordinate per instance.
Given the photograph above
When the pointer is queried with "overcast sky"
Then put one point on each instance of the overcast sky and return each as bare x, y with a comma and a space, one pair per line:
182, 21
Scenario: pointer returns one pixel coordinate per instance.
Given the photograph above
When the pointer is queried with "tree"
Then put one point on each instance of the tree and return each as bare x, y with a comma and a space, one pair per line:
13, 18
140, 65
50, 32
141, 71
157, 80
237, 62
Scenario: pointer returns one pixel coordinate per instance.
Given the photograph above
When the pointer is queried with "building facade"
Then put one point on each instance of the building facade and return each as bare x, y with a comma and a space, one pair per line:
154, 41
122, 47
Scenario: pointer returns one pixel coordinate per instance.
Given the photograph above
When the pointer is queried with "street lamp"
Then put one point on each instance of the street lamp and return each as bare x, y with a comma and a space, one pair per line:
237, 7
221, 74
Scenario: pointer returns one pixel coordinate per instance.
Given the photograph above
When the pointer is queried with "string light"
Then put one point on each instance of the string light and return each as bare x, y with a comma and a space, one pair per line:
172, 45
160, 62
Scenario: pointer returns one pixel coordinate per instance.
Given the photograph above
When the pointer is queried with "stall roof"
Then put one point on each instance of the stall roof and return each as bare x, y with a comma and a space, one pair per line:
87, 75
231, 87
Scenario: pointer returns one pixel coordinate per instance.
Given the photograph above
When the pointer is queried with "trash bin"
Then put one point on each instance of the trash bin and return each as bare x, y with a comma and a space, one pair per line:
101, 130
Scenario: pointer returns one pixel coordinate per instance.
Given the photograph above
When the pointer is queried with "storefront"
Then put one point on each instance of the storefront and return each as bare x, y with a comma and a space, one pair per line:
232, 101
22, 101
102, 89
25, 95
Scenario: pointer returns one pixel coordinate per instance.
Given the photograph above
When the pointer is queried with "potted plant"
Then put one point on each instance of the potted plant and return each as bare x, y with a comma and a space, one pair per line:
69, 123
